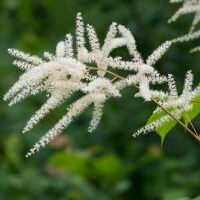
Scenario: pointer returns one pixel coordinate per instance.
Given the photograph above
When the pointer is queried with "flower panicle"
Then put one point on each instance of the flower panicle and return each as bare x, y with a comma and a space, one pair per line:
89, 69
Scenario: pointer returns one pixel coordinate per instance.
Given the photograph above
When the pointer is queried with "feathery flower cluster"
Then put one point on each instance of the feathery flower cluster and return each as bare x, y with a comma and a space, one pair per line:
188, 6
179, 104
187, 38
62, 74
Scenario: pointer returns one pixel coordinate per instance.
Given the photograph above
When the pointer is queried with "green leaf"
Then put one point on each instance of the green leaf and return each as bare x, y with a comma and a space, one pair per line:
191, 114
164, 129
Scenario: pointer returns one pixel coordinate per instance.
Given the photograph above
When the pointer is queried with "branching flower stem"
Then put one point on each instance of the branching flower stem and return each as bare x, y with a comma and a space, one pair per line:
117, 76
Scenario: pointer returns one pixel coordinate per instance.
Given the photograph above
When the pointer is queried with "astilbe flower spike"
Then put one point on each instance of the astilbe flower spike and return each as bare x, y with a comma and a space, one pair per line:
97, 92
62, 74
188, 6
187, 38
145, 72
179, 104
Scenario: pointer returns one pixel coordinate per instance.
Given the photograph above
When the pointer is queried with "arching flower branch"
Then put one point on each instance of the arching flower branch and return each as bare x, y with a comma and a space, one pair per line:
62, 74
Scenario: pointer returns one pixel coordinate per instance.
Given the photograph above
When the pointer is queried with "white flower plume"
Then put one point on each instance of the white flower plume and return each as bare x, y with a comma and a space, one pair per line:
100, 55
96, 92
179, 104
188, 6
145, 72
182, 102
187, 38
61, 74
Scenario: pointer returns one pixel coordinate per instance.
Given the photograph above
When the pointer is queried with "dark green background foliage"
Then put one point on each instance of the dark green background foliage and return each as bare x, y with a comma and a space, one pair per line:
108, 164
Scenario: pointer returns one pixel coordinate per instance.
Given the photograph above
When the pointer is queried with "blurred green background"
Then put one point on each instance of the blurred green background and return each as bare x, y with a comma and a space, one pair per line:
108, 164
